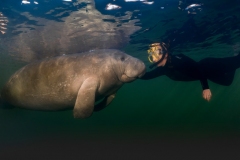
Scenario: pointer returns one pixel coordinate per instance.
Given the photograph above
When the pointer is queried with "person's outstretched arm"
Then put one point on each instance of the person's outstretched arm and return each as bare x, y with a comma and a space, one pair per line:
206, 93
159, 71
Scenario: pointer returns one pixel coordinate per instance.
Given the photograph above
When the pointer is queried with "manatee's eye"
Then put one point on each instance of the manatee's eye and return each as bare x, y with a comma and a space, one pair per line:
122, 58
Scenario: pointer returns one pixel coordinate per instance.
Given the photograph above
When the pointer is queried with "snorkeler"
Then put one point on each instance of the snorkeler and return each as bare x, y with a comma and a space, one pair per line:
182, 68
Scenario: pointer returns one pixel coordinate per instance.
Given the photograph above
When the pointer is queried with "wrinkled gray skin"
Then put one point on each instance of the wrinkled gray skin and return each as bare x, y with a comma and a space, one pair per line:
75, 81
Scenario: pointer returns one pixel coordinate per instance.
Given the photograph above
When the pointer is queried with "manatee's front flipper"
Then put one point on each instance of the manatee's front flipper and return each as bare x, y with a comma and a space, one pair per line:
84, 104
106, 101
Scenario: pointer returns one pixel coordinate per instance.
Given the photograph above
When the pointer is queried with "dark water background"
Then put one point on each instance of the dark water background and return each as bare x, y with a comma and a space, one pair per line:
147, 119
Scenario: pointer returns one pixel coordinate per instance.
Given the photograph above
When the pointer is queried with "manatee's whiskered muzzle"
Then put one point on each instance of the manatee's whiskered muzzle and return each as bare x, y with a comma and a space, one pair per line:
137, 71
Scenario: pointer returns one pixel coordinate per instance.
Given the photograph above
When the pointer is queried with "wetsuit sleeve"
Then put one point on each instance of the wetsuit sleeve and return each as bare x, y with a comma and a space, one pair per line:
204, 83
159, 71
194, 69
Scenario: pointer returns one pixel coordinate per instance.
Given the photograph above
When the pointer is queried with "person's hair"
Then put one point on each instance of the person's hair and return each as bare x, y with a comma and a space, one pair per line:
164, 48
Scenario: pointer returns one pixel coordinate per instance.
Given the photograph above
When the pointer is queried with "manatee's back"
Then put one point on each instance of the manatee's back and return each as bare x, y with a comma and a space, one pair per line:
20, 86
39, 83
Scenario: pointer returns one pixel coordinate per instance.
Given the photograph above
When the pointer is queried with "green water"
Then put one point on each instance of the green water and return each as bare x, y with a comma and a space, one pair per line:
155, 115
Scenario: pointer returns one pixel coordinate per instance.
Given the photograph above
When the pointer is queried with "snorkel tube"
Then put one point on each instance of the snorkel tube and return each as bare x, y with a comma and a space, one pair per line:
151, 51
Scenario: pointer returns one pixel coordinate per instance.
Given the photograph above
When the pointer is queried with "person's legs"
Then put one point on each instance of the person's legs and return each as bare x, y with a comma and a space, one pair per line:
220, 70
224, 79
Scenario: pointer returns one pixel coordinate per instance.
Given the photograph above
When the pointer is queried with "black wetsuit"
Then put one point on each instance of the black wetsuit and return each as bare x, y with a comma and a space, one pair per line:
182, 68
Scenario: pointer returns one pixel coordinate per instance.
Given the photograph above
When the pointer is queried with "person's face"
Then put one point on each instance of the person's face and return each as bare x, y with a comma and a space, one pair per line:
157, 57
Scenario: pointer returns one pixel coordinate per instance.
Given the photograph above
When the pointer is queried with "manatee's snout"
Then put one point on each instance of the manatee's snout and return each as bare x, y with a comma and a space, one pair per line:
135, 69
141, 68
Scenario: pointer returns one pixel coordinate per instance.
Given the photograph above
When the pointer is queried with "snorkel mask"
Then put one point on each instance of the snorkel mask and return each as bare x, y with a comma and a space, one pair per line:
155, 51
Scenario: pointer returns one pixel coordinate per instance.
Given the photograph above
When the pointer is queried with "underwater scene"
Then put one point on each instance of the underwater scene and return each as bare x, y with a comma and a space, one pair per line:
150, 110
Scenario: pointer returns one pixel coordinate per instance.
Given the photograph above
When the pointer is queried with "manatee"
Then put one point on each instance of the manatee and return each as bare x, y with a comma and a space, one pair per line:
84, 82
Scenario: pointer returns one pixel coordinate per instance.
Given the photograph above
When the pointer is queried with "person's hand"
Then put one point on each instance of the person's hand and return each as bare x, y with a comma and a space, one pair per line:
207, 94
